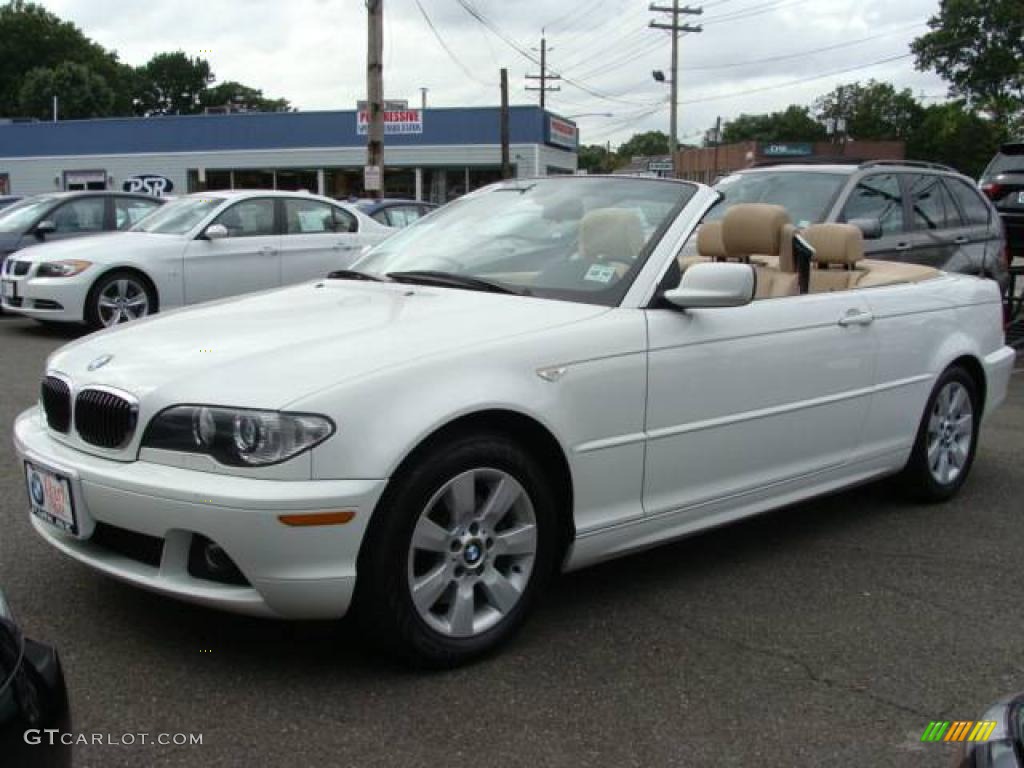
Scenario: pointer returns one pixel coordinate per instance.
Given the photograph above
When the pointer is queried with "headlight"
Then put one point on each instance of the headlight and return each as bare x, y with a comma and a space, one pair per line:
238, 437
68, 268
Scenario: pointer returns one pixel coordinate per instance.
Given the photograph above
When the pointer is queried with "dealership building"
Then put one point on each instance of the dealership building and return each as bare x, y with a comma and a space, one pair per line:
429, 154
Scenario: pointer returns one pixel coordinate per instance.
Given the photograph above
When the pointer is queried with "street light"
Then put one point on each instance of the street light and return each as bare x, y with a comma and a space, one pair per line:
590, 114
659, 76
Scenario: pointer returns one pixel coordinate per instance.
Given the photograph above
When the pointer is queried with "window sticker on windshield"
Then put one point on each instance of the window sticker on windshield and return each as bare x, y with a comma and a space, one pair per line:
600, 273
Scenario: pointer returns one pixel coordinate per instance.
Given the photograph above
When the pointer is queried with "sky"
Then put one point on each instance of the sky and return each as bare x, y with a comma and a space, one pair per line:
752, 56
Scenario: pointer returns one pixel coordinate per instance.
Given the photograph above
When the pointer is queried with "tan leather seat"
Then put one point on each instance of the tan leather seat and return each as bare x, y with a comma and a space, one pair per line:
611, 234
763, 234
838, 251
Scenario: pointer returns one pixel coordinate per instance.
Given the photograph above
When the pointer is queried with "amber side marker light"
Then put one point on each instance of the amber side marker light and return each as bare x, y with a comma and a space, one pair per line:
318, 518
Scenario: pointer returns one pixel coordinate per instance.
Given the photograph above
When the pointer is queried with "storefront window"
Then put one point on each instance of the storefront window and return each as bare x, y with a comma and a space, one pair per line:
400, 182
297, 180
254, 179
343, 183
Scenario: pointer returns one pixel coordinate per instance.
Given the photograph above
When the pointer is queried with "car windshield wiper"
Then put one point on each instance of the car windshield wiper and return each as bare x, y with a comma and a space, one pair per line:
452, 280
353, 274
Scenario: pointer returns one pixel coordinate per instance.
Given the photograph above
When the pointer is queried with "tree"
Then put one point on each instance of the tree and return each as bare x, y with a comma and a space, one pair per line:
875, 111
644, 145
978, 47
34, 38
241, 98
595, 158
793, 124
172, 84
952, 134
80, 91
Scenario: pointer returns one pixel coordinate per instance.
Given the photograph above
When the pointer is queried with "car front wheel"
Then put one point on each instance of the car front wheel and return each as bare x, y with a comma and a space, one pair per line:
946, 438
458, 549
119, 297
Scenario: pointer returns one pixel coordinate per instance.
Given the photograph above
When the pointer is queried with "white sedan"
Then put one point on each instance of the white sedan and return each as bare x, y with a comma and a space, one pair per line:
428, 436
194, 249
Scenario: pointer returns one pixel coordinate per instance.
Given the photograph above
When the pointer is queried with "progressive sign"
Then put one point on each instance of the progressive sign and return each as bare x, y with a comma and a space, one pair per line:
396, 121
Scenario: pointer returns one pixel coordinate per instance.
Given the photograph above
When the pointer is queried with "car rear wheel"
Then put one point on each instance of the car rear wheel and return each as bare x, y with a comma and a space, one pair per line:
946, 438
119, 297
457, 551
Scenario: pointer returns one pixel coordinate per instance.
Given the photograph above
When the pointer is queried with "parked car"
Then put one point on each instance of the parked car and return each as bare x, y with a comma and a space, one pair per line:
395, 212
919, 213
63, 215
8, 200
197, 248
33, 699
427, 437
1003, 182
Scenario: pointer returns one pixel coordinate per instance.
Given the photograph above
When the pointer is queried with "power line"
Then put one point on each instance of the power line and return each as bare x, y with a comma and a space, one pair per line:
797, 82
797, 55
466, 70
489, 25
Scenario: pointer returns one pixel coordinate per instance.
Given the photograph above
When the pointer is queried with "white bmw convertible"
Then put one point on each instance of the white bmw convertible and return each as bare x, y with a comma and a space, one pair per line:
530, 379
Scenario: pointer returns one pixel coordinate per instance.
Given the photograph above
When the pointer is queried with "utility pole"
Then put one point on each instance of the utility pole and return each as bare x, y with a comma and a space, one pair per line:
373, 174
506, 167
675, 28
544, 77
718, 140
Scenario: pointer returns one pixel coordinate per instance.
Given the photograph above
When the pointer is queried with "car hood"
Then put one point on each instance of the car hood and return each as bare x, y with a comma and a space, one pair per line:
270, 349
93, 246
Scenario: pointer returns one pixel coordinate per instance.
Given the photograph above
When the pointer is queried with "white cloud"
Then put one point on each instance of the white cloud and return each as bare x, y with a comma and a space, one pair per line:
312, 52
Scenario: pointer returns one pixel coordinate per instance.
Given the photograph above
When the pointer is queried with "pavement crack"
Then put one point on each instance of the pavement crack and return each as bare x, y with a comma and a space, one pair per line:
786, 656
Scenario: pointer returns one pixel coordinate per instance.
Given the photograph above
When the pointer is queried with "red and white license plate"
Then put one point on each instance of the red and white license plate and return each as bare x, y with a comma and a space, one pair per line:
49, 495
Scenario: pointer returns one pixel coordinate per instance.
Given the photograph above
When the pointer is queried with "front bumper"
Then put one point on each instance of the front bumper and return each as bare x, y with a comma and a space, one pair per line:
292, 572
58, 299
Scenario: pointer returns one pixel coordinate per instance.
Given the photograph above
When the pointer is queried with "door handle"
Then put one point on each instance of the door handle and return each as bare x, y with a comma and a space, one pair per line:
902, 246
856, 317
268, 250
962, 240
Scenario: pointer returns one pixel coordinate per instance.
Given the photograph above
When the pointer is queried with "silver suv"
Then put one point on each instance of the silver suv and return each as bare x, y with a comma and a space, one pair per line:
909, 211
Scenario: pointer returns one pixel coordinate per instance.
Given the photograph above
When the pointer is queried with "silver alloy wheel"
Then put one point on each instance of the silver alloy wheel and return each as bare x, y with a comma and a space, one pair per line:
123, 300
472, 552
950, 433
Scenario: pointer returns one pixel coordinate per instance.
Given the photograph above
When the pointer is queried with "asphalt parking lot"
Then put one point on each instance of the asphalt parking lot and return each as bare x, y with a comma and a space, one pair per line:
829, 633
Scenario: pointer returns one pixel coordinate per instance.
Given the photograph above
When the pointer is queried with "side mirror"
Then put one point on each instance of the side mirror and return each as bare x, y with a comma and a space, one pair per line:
870, 228
714, 285
44, 228
215, 232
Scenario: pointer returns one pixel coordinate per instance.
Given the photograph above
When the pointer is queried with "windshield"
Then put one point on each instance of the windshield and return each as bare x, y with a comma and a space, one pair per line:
20, 216
1009, 160
806, 196
178, 217
575, 238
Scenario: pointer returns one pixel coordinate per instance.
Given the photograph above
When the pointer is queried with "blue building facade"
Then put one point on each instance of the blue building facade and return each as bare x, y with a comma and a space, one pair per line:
432, 154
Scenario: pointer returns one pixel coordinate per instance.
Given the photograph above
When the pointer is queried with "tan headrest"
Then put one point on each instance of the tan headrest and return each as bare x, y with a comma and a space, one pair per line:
611, 234
709, 240
841, 244
753, 228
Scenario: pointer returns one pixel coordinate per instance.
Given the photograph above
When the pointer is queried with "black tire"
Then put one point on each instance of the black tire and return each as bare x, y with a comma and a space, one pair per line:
918, 479
384, 605
92, 307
